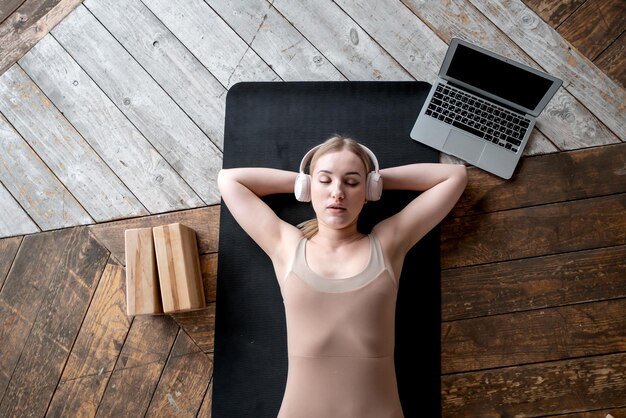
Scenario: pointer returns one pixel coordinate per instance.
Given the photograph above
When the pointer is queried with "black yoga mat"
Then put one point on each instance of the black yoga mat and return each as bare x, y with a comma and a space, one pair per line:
273, 124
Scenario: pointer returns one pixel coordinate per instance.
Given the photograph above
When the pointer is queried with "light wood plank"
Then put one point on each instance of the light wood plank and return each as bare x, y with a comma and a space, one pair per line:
63, 150
184, 381
601, 95
134, 160
143, 101
276, 41
178, 72
534, 231
38, 191
342, 41
75, 270
31, 22
533, 283
96, 349
564, 121
205, 221
8, 250
538, 390
212, 41
138, 367
13, 219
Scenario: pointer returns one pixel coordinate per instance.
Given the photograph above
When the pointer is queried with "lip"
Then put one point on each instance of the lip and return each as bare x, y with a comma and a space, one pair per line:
335, 208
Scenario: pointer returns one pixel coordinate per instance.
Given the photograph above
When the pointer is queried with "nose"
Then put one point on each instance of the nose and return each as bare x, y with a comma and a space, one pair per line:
337, 192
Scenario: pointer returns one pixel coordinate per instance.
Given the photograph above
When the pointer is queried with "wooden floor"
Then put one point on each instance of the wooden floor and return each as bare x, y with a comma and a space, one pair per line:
115, 118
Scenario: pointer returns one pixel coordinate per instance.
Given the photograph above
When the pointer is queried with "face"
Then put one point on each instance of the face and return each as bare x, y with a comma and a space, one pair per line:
338, 185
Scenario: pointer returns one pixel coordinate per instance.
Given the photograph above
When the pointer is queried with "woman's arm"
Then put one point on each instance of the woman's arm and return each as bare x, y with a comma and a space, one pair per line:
441, 186
242, 189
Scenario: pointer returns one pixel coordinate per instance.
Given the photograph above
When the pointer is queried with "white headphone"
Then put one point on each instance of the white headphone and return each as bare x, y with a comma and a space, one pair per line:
373, 185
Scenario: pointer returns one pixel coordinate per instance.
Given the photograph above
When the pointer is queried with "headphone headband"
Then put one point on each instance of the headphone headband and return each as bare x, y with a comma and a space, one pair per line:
310, 153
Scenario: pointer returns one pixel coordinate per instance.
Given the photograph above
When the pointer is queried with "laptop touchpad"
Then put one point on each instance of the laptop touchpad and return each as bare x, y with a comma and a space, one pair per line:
464, 146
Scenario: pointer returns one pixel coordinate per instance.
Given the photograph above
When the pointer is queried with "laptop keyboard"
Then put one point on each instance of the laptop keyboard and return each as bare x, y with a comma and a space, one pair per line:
477, 116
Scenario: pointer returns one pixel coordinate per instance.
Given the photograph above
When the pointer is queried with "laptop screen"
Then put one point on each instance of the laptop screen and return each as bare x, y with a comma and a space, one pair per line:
503, 79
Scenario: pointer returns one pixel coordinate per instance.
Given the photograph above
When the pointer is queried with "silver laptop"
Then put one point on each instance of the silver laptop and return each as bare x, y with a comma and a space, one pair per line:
482, 107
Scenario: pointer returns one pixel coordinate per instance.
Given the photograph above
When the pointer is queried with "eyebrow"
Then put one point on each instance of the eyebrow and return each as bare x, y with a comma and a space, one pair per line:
347, 174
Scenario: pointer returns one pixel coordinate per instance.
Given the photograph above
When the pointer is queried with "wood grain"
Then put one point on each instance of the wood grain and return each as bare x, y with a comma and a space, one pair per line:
96, 349
63, 150
336, 35
594, 26
533, 283
613, 60
143, 294
105, 128
205, 221
554, 12
564, 176
13, 218
8, 250
560, 387
184, 381
28, 24
26, 287
200, 325
177, 71
543, 335
534, 231
229, 59
177, 138
75, 271
139, 366
178, 263
8, 7
289, 54
36, 188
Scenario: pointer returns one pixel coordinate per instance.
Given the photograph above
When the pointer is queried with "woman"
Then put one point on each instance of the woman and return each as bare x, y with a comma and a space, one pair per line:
339, 285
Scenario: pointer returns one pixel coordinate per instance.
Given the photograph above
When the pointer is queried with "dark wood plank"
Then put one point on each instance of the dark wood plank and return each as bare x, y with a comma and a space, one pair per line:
554, 12
9, 6
205, 221
594, 26
200, 325
28, 24
533, 283
613, 60
205, 409
534, 231
562, 176
37, 262
74, 270
96, 349
586, 329
184, 381
600, 413
139, 367
8, 250
594, 383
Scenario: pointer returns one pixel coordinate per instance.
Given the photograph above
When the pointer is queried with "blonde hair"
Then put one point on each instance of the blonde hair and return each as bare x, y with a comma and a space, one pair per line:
334, 144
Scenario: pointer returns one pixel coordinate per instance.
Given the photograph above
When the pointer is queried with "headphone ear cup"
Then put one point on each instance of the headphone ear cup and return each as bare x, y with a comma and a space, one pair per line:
302, 187
374, 188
